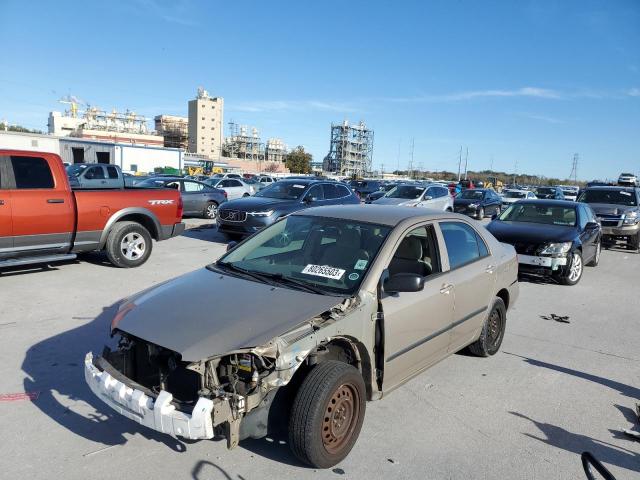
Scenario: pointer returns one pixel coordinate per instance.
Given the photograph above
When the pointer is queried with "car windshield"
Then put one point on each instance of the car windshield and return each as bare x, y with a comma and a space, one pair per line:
471, 194
405, 191
512, 194
75, 170
617, 197
535, 213
322, 255
545, 191
283, 191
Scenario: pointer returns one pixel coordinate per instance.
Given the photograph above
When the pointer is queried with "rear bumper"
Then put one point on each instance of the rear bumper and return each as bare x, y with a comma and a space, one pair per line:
158, 414
169, 231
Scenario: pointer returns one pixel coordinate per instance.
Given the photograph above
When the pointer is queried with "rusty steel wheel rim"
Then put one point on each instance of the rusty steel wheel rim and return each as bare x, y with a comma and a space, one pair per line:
494, 328
340, 418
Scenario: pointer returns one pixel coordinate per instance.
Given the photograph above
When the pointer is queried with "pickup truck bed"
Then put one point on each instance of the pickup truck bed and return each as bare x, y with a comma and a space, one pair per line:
43, 220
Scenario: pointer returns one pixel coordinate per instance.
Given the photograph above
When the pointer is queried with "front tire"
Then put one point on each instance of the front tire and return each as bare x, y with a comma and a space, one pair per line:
574, 273
327, 414
128, 245
634, 242
492, 331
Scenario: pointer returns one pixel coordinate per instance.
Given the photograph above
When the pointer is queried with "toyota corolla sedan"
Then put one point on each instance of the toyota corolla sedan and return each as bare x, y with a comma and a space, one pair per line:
304, 322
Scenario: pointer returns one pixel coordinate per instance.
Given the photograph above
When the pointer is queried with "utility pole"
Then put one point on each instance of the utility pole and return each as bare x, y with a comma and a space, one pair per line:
515, 173
398, 159
466, 161
459, 163
491, 164
411, 160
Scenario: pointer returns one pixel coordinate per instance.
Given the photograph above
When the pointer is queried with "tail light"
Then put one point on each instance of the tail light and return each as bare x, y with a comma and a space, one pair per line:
180, 207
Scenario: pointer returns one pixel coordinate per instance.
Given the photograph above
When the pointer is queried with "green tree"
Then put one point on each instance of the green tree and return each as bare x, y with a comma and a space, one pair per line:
298, 161
17, 128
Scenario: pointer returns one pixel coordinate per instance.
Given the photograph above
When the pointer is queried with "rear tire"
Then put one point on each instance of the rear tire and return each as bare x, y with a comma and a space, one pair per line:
327, 414
210, 211
596, 259
129, 245
492, 331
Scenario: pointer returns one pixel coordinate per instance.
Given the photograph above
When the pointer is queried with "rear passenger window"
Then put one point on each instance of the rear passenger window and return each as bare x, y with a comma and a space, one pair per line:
94, 173
112, 172
343, 191
464, 245
31, 172
330, 191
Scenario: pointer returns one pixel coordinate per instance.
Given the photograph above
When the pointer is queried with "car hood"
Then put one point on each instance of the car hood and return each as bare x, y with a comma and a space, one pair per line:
206, 313
512, 232
466, 201
254, 203
610, 209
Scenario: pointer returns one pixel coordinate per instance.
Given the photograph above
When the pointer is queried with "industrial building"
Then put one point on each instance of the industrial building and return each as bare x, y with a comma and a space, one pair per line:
205, 124
244, 143
97, 124
275, 151
174, 130
350, 151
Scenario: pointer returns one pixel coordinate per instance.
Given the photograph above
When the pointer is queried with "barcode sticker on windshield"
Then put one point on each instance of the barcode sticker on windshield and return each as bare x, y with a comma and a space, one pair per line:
324, 271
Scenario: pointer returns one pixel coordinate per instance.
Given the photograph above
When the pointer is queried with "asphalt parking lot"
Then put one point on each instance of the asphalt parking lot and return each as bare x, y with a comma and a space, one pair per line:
554, 390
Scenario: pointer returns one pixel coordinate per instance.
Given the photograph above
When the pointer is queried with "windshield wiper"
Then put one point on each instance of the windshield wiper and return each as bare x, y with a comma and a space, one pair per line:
243, 271
278, 277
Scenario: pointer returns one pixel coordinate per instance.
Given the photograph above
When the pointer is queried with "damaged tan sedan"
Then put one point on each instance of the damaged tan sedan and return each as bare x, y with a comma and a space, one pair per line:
302, 323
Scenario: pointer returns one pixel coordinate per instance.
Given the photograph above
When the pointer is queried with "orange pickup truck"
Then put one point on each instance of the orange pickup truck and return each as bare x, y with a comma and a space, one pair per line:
43, 221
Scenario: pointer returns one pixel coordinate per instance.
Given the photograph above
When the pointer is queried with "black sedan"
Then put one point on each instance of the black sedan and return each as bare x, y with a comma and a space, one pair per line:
199, 199
477, 202
553, 238
246, 216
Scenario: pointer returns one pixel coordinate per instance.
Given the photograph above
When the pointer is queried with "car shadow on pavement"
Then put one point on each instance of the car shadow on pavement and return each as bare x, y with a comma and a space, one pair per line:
54, 367
209, 234
624, 389
578, 443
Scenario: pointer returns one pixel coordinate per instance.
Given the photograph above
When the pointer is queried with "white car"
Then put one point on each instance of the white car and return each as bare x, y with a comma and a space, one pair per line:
512, 196
628, 179
234, 187
430, 195
570, 192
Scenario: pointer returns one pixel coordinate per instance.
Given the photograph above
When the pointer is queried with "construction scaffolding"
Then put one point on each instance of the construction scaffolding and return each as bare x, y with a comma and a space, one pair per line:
276, 150
351, 150
174, 129
242, 144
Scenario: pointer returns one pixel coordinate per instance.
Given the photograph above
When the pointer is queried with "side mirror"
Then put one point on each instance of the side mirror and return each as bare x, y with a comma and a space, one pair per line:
591, 226
428, 197
231, 245
404, 282
310, 199
494, 216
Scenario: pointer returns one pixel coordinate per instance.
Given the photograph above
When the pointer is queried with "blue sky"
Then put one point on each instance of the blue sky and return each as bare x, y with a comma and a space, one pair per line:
530, 82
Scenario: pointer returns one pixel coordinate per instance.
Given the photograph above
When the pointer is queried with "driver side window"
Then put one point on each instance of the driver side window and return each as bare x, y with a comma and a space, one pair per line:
417, 253
315, 193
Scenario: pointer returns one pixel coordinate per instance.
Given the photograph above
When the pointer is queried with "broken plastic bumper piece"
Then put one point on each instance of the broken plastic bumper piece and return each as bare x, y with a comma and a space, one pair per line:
159, 414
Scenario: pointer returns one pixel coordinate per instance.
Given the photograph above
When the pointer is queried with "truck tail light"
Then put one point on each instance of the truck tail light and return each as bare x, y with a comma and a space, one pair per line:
180, 207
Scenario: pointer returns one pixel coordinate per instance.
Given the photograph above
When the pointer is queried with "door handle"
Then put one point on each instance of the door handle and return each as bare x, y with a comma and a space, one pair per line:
446, 288
55, 200
489, 268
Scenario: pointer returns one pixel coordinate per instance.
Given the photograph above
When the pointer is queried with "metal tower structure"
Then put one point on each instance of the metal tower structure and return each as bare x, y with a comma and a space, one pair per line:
350, 151
574, 168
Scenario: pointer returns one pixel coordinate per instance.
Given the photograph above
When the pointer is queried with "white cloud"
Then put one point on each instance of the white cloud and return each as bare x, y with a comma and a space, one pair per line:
531, 92
542, 118
293, 105
633, 92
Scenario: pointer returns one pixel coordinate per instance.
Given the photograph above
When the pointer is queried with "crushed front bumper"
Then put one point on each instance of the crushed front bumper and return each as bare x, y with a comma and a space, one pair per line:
541, 265
158, 414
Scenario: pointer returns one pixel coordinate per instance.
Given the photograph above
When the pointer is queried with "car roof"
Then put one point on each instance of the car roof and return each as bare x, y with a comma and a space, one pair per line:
549, 202
612, 187
390, 215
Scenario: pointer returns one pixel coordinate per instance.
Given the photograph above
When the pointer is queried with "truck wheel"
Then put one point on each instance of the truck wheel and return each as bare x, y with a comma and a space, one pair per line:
634, 241
327, 414
128, 245
211, 210
492, 331
596, 259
